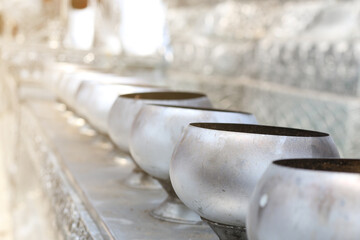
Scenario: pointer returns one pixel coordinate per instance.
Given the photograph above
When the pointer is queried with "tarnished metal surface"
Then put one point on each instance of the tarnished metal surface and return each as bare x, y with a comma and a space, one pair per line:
126, 107
96, 172
99, 104
227, 232
155, 133
216, 166
158, 128
307, 199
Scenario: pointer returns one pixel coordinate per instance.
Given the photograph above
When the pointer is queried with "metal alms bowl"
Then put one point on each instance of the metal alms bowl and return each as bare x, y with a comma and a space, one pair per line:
158, 128
306, 199
216, 167
122, 116
155, 132
71, 84
83, 96
126, 107
72, 73
104, 96
54, 73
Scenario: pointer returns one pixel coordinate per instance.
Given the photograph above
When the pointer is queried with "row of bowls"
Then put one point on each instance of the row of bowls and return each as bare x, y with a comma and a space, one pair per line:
219, 163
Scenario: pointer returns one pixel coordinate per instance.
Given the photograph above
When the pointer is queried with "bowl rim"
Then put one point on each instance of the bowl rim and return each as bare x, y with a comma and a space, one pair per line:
330, 165
164, 95
257, 129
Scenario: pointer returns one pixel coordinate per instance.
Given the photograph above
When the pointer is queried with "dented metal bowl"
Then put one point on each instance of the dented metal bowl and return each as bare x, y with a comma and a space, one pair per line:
216, 167
306, 199
155, 132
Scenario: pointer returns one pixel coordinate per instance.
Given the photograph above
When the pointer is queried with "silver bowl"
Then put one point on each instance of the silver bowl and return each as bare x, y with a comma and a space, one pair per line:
155, 132
125, 109
76, 82
216, 167
86, 87
103, 96
71, 84
306, 199
54, 72
68, 72
83, 95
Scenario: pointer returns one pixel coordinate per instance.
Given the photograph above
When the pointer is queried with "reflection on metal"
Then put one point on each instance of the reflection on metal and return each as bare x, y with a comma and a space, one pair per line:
306, 199
154, 137
216, 166
291, 63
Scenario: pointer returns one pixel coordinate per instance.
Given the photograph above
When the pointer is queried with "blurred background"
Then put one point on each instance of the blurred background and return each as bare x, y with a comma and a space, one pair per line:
291, 63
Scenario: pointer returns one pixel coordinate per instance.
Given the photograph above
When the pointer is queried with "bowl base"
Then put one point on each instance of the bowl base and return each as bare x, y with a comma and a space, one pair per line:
141, 180
227, 232
173, 210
